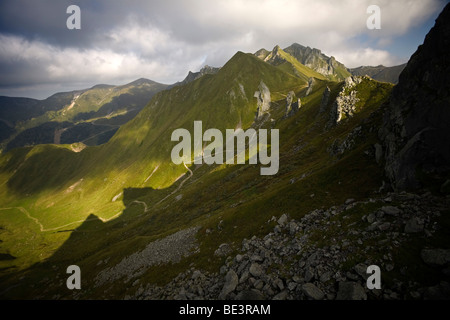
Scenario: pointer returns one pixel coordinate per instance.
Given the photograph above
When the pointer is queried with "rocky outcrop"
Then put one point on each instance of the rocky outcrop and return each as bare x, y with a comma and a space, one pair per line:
311, 83
324, 101
293, 104
416, 130
304, 259
263, 100
345, 103
274, 57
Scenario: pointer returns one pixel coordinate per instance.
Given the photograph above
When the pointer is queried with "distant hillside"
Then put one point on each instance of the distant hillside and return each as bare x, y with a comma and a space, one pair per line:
380, 73
90, 116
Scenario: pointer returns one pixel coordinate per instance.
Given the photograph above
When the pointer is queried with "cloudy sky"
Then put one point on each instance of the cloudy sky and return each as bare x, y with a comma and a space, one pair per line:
120, 41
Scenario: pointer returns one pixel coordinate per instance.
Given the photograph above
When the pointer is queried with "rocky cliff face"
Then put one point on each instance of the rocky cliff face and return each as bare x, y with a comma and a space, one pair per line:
316, 60
263, 100
416, 131
274, 57
345, 103
293, 104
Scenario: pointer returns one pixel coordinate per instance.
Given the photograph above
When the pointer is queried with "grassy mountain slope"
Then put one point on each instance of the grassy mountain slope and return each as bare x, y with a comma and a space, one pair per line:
99, 200
81, 115
59, 186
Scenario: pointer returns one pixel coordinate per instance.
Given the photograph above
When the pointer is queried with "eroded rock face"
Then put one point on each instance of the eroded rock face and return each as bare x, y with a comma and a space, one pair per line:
324, 101
263, 99
416, 130
311, 83
345, 103
293, 104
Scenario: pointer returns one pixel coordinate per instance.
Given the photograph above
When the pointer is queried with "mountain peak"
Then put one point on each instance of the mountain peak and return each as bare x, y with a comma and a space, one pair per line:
319, 62
192, 76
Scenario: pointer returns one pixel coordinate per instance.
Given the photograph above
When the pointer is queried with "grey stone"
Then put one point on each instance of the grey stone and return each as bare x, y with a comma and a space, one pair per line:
311, 291
391, 210
292, 286
436, 257
385, 226
371, 218
252, 294
292, 228
196, 274
293, 104
351, 291
244, 277
361, 269
278, 283
259, 284
256, 270
440, 291
413, 225
231, 281
326, 276
311, 83
263, 100
309, 274
348, 201
281, 296
282, 220
223, 250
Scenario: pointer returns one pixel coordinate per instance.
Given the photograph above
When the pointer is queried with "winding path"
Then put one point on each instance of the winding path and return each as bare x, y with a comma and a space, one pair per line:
43, 229
179, 187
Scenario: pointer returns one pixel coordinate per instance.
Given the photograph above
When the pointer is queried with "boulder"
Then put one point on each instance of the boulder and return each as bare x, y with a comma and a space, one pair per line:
223, 250
435, 257
256, 270
391, 210
413, 225
252, 294
350, 291
231, 281
282, 220
311, 291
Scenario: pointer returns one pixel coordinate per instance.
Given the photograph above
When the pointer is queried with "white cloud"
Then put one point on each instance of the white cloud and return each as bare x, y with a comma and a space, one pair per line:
353, 58
164, 40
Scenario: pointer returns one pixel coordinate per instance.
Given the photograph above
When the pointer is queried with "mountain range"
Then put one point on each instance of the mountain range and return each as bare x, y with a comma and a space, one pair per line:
92, 116
363, 180
89, 116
